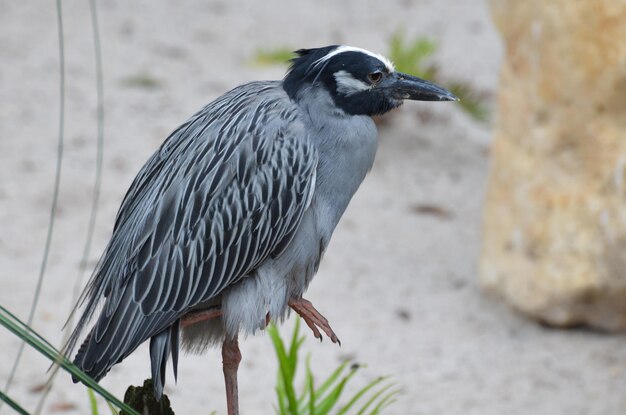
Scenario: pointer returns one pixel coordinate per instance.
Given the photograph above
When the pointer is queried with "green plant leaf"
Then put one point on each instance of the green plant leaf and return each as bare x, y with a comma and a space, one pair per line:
142, 80
385, 401
310, 386
410, 56
281, 394
282, 405
285, 369
92, 401
331, 379
470, 100
309, 382
325, 398
21, 330
294, 347
112, 409
374, 398
276, 56
332, 397
14, 405
360, 394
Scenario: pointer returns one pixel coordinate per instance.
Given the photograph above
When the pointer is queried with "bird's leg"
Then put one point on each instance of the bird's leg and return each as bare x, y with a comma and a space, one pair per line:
231, 356
313, 319
198, 316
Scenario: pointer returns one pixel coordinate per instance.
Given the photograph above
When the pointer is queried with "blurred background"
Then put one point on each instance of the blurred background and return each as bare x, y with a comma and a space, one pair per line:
434, 249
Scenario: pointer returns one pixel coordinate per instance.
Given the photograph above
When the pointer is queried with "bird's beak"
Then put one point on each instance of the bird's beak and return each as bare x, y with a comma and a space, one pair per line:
402, 86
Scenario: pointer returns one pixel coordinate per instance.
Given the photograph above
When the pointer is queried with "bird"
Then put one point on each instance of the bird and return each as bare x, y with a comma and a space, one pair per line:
225, 225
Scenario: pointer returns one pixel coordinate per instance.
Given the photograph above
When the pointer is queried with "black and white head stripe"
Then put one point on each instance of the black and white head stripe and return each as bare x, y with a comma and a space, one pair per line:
344, 49
356, 79
342, 69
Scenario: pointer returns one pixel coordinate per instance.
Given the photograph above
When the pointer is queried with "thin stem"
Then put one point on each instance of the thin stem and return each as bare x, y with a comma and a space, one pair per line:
95, 196
55, 194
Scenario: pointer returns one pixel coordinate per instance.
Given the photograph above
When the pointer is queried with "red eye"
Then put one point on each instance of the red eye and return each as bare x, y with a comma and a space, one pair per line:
375, 77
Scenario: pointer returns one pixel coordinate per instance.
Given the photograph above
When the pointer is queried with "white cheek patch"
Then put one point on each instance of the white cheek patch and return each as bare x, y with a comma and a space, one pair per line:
348, 85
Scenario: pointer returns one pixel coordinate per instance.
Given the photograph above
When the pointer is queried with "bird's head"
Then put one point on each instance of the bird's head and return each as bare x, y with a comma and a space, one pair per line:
360, 82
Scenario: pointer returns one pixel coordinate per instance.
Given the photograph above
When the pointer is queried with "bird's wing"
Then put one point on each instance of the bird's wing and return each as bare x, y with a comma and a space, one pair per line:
225, 191
228, 207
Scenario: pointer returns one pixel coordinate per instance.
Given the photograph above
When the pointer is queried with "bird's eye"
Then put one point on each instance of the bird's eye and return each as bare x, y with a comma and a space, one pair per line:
375, 77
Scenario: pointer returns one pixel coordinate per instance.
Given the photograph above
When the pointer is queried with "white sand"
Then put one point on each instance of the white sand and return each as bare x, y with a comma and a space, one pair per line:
398, 286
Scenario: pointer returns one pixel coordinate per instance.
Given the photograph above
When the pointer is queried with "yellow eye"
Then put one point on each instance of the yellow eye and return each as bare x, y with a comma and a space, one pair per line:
375, 77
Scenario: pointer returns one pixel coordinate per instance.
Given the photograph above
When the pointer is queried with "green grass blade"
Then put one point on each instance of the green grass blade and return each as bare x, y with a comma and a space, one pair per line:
55, 194
112, 409
471, 101
311, 388
324, 399
17, 327
360, 394
282, 405
285, 369
384, 402
93, 403
330, 399
374, 398
332, 379
281, 353
281, 396
294, 348
14, 405
277, 56
303, 401
410, 56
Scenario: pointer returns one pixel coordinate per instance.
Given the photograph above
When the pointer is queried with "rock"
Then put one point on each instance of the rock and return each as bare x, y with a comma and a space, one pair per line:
555, 214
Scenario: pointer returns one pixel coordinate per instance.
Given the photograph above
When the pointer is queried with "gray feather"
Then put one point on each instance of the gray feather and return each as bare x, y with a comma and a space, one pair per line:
195, 222
233, 211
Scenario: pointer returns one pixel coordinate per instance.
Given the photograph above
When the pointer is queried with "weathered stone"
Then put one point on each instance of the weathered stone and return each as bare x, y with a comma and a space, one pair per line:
555, 212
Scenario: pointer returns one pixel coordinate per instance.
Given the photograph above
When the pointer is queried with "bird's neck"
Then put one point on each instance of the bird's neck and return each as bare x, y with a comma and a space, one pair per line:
346, 145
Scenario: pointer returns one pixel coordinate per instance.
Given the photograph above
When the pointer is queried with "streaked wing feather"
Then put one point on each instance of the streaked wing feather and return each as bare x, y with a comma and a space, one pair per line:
224, 192
219, 203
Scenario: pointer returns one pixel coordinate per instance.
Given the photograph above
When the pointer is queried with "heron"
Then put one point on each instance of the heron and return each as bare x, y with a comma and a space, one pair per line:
225, 225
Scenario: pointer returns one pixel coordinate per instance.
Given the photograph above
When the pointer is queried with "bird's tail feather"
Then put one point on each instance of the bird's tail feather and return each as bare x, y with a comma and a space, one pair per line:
90, 298
116, 336
161, 346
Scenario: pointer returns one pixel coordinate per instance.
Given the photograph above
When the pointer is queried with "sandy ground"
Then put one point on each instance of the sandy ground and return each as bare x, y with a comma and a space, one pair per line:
398, 284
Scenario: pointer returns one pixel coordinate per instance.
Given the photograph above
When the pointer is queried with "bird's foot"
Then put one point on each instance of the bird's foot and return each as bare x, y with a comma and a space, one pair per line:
313, 319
